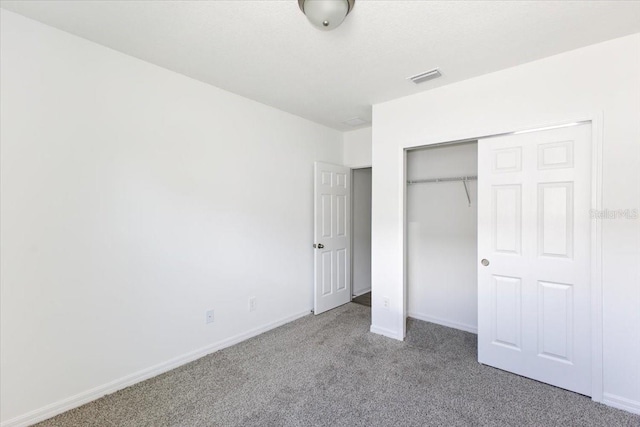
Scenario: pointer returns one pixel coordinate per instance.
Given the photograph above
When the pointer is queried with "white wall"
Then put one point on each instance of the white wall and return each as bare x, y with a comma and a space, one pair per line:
600, 79
133, 200
361, 262
442, 237
357, 148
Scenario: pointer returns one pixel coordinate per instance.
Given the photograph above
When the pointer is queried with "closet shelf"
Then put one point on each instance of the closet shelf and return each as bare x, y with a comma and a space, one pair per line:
464, 180
455, 178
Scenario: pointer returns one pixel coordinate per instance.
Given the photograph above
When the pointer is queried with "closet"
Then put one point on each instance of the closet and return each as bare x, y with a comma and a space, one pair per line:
442, 235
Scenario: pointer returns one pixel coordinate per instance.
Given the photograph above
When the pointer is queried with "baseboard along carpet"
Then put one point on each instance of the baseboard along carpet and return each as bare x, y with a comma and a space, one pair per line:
329, 370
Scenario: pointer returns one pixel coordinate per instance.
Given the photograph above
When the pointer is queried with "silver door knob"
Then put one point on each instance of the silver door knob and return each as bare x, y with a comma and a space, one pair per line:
319, 245
485, 262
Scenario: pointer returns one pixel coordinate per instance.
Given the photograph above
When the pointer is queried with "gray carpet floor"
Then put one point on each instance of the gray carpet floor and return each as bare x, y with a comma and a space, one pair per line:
328, 370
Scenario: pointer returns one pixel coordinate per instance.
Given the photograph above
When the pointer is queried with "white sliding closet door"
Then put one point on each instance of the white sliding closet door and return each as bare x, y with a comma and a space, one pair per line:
534, 301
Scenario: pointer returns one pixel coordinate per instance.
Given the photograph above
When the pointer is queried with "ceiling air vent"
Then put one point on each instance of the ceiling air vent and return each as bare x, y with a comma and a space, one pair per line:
427, 75
356, 121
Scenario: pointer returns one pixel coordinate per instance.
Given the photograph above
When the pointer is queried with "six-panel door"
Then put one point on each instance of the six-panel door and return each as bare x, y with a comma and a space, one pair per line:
332, 230
534, 300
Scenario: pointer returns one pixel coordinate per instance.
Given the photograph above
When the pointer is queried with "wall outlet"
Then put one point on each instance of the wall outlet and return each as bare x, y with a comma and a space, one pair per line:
210, 316
252, 304
385, 302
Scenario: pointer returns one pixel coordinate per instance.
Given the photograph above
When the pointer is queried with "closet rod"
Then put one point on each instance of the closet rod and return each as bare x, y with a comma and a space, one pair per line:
456, 178
464, 180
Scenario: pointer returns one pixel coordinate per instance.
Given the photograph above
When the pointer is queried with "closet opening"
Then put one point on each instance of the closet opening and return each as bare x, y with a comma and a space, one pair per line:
441, 197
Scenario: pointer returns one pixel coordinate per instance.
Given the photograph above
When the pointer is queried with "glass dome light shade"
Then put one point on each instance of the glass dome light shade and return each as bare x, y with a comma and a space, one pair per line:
325, 14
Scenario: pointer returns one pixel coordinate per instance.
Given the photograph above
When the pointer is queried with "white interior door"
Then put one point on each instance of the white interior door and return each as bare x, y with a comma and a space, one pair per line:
534, 298
332, 236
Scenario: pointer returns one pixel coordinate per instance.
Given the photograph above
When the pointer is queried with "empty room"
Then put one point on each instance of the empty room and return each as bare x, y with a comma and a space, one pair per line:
319, 213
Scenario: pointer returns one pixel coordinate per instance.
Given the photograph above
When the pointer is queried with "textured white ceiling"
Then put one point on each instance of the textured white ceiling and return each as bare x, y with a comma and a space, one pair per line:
267, 51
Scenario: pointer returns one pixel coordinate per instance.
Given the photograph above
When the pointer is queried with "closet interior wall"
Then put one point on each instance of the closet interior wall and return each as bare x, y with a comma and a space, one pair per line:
442, 236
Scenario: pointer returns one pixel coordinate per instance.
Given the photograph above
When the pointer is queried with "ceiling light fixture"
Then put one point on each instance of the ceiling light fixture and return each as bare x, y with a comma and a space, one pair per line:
326, 14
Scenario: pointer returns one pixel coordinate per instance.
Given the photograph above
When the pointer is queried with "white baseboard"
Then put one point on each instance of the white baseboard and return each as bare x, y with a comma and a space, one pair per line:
358, 293
386, 332
444, 322
623, 403
80, 399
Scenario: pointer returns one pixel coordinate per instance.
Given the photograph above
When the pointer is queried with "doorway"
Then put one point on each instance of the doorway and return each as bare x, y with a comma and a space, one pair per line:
361, 236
